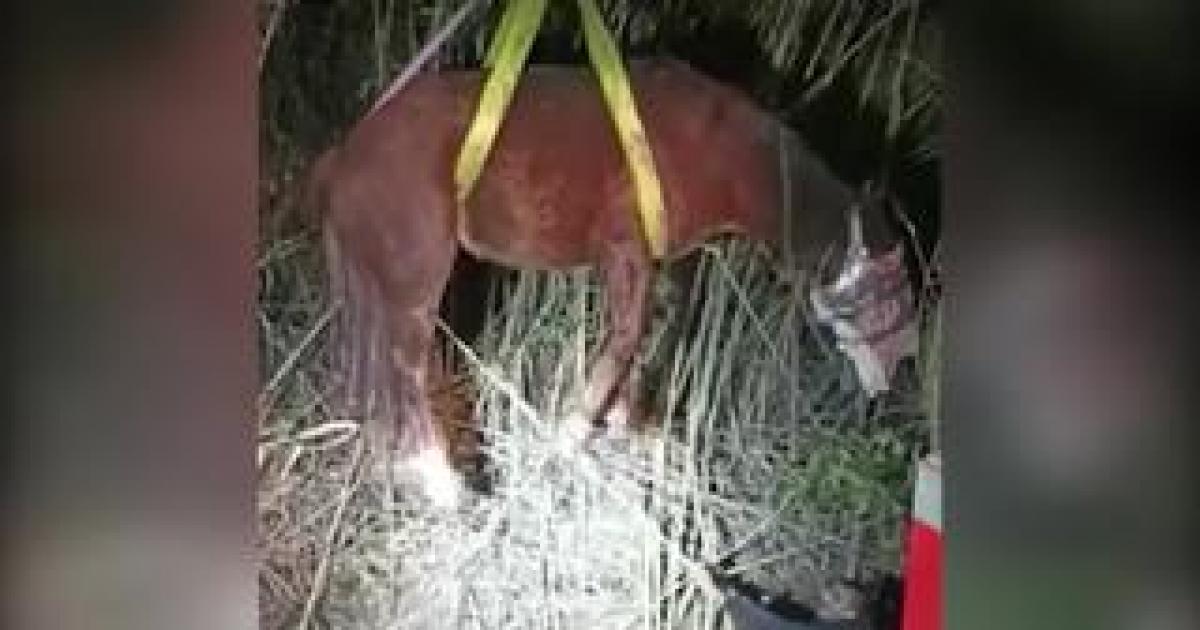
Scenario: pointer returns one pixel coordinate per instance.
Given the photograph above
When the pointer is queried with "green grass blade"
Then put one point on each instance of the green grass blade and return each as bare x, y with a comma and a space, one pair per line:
931, 377
504, 31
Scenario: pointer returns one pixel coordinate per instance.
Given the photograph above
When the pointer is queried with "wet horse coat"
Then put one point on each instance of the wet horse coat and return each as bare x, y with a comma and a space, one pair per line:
555, 193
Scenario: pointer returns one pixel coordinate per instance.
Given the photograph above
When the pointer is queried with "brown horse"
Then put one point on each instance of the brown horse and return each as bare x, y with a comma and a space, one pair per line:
554, 194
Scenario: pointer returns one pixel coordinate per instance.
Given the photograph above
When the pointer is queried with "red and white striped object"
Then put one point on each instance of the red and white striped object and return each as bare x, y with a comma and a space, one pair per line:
922, 608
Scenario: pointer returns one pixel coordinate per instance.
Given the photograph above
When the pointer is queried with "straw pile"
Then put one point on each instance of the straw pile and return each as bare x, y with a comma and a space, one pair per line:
766, 459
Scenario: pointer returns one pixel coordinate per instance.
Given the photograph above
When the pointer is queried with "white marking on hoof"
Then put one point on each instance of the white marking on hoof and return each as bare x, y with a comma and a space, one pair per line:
575, 430
616, 421
440, 482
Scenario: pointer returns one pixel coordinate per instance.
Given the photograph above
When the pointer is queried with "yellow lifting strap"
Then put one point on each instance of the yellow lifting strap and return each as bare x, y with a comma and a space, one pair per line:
506, 58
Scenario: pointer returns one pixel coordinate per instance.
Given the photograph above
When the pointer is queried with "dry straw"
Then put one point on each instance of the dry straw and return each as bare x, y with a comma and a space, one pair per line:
766, 461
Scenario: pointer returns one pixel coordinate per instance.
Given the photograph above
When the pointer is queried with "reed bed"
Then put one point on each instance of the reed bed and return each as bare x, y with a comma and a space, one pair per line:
765, 458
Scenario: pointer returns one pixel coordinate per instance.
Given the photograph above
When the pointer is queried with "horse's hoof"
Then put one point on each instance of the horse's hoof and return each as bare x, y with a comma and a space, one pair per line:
575, 431
439, 481
618, 432
617, 421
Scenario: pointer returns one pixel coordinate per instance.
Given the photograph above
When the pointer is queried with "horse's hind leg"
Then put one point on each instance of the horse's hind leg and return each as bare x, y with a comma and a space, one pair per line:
405, 257
412, 329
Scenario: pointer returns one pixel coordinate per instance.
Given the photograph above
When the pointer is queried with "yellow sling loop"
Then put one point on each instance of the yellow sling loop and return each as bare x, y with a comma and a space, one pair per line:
506, 58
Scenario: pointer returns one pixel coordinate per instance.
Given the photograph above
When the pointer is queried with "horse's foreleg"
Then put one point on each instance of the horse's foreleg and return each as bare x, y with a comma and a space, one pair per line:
608, 395
678, 322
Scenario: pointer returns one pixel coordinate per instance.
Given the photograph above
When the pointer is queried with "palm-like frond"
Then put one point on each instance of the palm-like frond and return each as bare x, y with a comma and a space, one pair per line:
869, 59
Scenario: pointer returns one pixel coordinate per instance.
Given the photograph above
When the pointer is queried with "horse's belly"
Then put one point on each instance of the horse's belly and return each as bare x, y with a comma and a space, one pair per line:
525, 229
